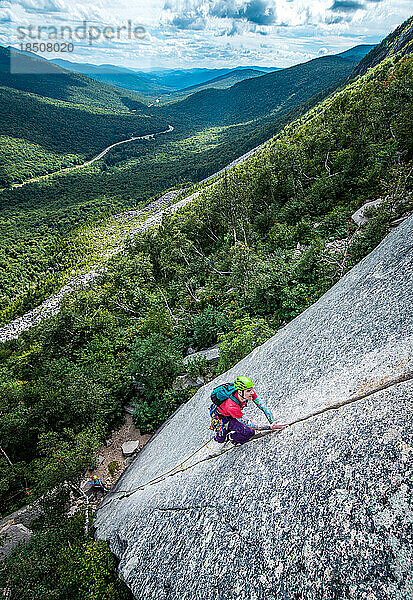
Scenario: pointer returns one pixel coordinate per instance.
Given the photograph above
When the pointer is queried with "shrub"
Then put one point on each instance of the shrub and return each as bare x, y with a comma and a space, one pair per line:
155, 364
113, 467
61, 563
207, 325
149, 416
197, 367
246, 335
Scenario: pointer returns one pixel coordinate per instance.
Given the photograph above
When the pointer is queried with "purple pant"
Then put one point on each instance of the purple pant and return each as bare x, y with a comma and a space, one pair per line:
240, 433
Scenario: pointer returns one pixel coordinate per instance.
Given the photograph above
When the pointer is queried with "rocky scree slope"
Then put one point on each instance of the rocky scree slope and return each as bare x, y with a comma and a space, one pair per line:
319, 511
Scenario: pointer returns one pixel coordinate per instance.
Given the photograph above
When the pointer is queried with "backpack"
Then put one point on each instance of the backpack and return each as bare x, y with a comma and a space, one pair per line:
223, 392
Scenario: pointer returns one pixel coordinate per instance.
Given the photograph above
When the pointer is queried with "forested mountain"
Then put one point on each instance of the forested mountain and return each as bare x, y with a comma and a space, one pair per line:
178, 79
221, 82
155, 83
43, 134
227, 80
357, 53
39, 244
55, 119
97, 115
151, 84
60, 84
270, 95
142, 83
178, 83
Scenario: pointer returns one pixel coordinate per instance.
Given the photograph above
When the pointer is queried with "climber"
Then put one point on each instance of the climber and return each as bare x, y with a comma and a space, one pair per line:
227, 419
98, 485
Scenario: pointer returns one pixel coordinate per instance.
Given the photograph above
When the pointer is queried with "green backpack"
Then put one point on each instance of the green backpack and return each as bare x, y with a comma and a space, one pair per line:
223, 392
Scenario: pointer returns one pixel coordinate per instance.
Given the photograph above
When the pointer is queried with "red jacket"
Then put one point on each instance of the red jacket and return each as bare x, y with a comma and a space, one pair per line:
229, 408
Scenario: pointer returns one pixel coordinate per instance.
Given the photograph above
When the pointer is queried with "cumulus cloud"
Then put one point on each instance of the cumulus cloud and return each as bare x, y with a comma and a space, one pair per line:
43, 6
337, 19
198, 14
259, 12
6, 16
346, 6
194, 22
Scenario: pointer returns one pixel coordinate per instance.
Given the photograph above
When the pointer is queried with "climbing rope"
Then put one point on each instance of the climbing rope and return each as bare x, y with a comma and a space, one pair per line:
177, 469
180, 467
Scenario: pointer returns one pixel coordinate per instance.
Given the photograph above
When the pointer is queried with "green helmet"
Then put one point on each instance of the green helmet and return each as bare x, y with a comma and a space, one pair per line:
243, 383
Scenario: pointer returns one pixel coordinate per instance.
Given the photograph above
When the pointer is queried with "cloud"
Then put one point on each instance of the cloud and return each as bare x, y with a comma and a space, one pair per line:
346, 6
259, 12
191, 22
225, 10
337, 19
6, 17
215, 32
198, 14
44, 6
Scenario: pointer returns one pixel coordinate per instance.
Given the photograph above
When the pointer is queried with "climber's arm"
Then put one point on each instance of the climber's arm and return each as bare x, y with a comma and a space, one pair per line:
267, 411
252, 424
263, 406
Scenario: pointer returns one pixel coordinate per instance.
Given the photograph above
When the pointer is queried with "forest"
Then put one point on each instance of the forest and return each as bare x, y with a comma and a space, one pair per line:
39, 218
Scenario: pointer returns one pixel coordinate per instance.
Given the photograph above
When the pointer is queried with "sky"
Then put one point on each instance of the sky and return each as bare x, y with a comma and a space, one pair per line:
197, 33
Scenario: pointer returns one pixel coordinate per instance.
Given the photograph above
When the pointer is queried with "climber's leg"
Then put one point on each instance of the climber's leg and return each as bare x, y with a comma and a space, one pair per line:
238, 432
224, 435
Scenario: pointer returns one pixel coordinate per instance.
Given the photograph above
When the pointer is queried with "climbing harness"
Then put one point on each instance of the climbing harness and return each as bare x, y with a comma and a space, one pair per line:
180, 468
217, 423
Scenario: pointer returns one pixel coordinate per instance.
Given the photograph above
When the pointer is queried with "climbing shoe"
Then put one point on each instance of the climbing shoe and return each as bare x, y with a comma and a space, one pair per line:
230, 443
214, 448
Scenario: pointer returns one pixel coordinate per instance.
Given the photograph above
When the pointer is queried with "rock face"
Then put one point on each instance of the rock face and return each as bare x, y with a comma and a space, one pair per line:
359, 217
183, 382
400, 40
11, 536
319, 511
129, 448
210, 355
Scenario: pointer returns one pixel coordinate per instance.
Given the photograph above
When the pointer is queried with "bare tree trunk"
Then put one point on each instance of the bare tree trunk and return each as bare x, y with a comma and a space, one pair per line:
168, 307
79, 489
6, 457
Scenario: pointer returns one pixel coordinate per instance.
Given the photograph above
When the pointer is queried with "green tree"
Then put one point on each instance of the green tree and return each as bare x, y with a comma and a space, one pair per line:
154, 363
246, 335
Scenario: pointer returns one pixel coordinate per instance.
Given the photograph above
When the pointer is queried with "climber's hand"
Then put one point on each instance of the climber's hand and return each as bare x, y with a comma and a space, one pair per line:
278, 426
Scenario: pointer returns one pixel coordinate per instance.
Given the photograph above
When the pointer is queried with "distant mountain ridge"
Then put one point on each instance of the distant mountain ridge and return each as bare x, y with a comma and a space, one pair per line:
52, 118
357, 53
269, 95
154, 83
46, 79
218, 83
157, 82
241, 73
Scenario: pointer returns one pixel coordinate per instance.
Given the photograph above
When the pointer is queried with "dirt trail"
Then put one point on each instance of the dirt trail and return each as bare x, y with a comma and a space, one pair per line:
112, 455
